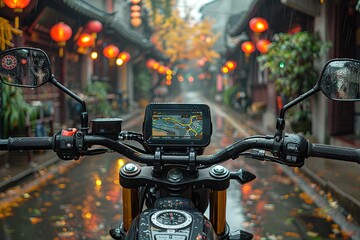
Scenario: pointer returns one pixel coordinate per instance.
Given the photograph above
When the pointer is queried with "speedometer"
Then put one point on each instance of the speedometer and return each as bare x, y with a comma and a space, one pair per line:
171, 219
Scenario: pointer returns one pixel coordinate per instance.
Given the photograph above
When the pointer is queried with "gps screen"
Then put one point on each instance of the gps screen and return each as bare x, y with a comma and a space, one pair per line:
177, 125
181, 126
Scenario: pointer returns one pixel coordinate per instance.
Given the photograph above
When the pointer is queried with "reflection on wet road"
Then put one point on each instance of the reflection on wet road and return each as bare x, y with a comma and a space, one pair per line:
85, 202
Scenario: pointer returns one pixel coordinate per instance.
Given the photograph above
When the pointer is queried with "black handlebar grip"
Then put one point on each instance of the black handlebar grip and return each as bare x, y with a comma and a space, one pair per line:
334, 152
30, 143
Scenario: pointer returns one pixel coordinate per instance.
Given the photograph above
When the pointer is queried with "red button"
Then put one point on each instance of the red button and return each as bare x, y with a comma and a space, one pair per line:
69, 132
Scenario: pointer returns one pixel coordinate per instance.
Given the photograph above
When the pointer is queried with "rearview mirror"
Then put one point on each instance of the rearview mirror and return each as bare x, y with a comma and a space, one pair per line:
340, 80
24, 67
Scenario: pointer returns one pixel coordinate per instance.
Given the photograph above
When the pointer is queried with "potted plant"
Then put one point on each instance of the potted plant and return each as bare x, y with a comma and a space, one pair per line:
98, 93
290, 59
16, 113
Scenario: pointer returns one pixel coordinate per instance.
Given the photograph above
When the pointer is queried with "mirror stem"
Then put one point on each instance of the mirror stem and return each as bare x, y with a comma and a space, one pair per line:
84, 115
280, 123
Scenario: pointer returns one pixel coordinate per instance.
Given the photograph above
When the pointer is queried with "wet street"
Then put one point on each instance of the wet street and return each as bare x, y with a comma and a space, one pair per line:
84, 202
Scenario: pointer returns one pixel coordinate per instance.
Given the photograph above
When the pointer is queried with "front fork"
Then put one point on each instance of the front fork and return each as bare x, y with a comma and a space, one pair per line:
131, 206
218, 210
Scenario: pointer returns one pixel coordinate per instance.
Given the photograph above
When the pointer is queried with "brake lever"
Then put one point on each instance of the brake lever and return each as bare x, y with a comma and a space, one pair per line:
96, 151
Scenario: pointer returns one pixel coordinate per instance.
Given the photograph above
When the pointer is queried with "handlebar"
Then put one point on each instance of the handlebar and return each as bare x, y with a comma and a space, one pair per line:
334, 152
26, 143
291, 150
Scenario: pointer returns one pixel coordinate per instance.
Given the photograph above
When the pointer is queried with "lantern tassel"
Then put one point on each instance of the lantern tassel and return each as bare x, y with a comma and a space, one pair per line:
17, 22
61, 51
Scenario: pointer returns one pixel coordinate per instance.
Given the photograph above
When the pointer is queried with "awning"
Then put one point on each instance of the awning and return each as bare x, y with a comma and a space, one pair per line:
120, 28
240, 25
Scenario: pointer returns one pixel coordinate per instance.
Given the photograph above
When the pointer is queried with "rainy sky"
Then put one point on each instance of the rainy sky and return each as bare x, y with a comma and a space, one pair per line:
184, 5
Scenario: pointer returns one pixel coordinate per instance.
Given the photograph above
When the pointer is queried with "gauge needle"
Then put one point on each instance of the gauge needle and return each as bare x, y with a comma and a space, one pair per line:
171, 217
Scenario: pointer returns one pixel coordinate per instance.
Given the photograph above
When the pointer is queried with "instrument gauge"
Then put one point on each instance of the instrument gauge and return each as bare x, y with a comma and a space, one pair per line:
171, 219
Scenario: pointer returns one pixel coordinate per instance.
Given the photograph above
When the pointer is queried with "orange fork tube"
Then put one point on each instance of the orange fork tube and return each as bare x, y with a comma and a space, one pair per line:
218, 210
130, 206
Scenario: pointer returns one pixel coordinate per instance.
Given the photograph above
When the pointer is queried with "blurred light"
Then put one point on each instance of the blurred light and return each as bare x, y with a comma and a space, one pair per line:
161, 69
94, 55
191, 78
149, 63
23, 61
262, 45
98, 182
87, 215
125, 56
85, 40
111, 51
247, 47
119, 62
224, 69
231, 65
168, 82
155, 65
121, 162
258, 25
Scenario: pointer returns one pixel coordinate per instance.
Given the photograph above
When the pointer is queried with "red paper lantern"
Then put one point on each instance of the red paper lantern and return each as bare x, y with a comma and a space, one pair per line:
136, 22
111, 51
125, 56
150, 63
247, 47
224, 69
258, 25
161, 69
231, 65
135, 8
94, 26
262, 45
17, 5
85, 40
155, 65
60, 33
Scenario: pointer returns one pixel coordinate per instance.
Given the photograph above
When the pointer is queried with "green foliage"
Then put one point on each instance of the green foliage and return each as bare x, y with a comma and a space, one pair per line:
16, 111
228, 94
98, 94
143, 82
290, 61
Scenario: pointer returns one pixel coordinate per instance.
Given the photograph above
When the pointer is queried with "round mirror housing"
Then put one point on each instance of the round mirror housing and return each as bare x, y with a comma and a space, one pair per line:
24, 67
340, 80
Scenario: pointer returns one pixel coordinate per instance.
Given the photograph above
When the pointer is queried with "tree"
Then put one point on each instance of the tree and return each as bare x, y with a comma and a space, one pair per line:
290, 60
178, 37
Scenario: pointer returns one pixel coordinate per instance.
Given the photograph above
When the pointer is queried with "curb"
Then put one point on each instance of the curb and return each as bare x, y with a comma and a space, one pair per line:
13, 181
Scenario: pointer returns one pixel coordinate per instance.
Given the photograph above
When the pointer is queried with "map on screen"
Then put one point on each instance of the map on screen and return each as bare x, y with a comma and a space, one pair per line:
177, 126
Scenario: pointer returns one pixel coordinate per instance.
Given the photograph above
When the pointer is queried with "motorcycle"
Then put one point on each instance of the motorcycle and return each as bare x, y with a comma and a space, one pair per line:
169, 183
